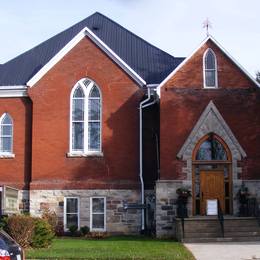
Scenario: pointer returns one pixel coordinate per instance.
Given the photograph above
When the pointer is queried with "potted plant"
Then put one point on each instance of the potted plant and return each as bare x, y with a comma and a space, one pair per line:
182, 200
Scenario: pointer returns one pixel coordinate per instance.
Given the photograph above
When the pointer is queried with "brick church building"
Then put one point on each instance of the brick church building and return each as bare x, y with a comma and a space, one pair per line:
103, 128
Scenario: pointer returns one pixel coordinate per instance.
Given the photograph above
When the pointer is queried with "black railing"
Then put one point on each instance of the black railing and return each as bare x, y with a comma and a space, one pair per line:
182, 214
257, 212
221, 218
182, 225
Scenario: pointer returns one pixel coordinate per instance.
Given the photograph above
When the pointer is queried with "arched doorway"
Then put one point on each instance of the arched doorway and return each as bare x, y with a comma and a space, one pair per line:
211, 174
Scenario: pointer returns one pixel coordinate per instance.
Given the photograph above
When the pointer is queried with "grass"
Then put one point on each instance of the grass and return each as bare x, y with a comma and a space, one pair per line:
123, 248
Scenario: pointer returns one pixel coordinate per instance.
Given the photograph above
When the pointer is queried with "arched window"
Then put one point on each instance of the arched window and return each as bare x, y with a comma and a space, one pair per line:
6, 134
94, 123
211, 149
210, 69
85, 118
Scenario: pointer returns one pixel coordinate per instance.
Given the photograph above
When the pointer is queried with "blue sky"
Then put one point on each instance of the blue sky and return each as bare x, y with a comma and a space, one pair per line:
172, 25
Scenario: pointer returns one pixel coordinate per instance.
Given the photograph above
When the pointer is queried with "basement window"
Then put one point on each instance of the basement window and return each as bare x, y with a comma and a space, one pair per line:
98, 214
71, 212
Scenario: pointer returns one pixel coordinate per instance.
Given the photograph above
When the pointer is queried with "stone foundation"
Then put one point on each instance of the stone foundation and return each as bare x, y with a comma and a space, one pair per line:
166, 207
118, 220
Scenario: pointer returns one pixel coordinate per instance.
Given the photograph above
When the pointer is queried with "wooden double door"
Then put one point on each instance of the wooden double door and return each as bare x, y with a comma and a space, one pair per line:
211, 187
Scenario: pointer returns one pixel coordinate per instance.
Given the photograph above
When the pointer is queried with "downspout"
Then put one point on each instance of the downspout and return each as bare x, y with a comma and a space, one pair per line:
142, 105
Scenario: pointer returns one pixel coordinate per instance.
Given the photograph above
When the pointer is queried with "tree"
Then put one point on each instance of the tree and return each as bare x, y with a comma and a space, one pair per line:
257, 76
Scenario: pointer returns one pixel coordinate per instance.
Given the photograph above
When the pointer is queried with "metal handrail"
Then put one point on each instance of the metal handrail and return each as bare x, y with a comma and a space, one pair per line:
221, 218
181, 215
257, 212
182, 225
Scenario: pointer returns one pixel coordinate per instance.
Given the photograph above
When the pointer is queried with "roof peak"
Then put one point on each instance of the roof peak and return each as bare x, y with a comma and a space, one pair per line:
150, 62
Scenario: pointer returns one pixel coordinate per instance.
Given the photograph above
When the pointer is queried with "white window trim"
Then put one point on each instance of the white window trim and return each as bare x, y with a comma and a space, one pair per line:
204, 70
86, 90
7, 154
105, 215
65, 212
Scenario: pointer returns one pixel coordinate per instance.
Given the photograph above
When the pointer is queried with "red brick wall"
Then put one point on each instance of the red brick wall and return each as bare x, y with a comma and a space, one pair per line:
15, 171
191, 75
183, 100
118, 168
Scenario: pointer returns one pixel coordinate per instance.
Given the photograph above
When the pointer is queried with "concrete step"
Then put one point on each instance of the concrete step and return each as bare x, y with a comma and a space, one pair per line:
220, 239
251, 222
241, 228
242, 234
202, 234
199, 229
209, 230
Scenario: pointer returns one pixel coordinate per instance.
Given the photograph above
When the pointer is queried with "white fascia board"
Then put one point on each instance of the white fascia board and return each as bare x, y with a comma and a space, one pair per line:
179, 67
13, 91
152, 85
236, 62
85, 32
189, 57
115, 57
53, 61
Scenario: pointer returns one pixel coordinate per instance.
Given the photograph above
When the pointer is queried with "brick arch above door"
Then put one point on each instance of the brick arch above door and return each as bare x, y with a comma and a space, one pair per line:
211, 121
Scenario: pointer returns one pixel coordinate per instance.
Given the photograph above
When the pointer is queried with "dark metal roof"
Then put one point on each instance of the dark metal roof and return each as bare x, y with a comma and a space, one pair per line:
151, 63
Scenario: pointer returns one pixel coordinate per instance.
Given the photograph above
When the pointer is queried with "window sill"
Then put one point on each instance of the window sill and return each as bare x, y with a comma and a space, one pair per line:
88, 154
101, 230
213, 87
7, 155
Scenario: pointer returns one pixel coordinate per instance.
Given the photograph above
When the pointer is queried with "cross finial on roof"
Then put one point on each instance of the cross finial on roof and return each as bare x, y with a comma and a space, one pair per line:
207, 25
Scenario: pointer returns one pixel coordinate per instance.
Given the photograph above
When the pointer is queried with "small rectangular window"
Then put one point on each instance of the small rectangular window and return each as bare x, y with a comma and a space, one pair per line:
71, 212
98, 214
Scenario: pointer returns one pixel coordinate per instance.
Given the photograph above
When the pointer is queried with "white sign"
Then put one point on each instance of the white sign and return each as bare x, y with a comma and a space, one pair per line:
212, 207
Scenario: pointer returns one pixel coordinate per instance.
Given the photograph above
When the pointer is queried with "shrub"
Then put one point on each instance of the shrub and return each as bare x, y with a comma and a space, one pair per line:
59, 229
3, 222
97, 235
73, 230
84, 230
21, 228
51, 218
43, 233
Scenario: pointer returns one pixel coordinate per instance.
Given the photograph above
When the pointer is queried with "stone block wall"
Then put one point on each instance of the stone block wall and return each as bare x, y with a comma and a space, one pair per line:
118, 220
166, 207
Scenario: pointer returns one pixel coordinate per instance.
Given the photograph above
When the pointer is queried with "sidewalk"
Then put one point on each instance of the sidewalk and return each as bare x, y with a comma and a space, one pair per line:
225, 250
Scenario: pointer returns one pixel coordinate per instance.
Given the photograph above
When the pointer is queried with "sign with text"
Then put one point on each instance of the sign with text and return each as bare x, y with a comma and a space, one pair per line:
212, 207
9, 203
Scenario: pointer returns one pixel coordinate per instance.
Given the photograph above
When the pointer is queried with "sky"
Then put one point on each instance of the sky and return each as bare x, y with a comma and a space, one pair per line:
175, 26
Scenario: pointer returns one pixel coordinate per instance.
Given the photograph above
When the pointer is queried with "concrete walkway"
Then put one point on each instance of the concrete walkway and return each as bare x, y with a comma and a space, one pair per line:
225, 250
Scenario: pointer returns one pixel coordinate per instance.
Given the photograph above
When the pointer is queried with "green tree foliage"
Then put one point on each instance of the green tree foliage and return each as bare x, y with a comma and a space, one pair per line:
257, 76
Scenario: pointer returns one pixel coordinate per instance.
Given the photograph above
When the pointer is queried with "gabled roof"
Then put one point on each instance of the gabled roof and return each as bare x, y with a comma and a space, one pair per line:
148, 61
184, 61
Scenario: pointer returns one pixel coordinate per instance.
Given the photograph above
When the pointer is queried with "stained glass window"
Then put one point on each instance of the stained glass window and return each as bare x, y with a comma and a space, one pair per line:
78, 101
86, 117
94, 123
211, 149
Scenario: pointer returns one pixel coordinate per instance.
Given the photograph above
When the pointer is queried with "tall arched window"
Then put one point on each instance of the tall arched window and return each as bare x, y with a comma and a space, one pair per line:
85, 118
6, 134
210, 69
94, 123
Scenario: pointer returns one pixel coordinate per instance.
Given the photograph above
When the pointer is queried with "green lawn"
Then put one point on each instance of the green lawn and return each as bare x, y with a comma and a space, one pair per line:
135, 248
